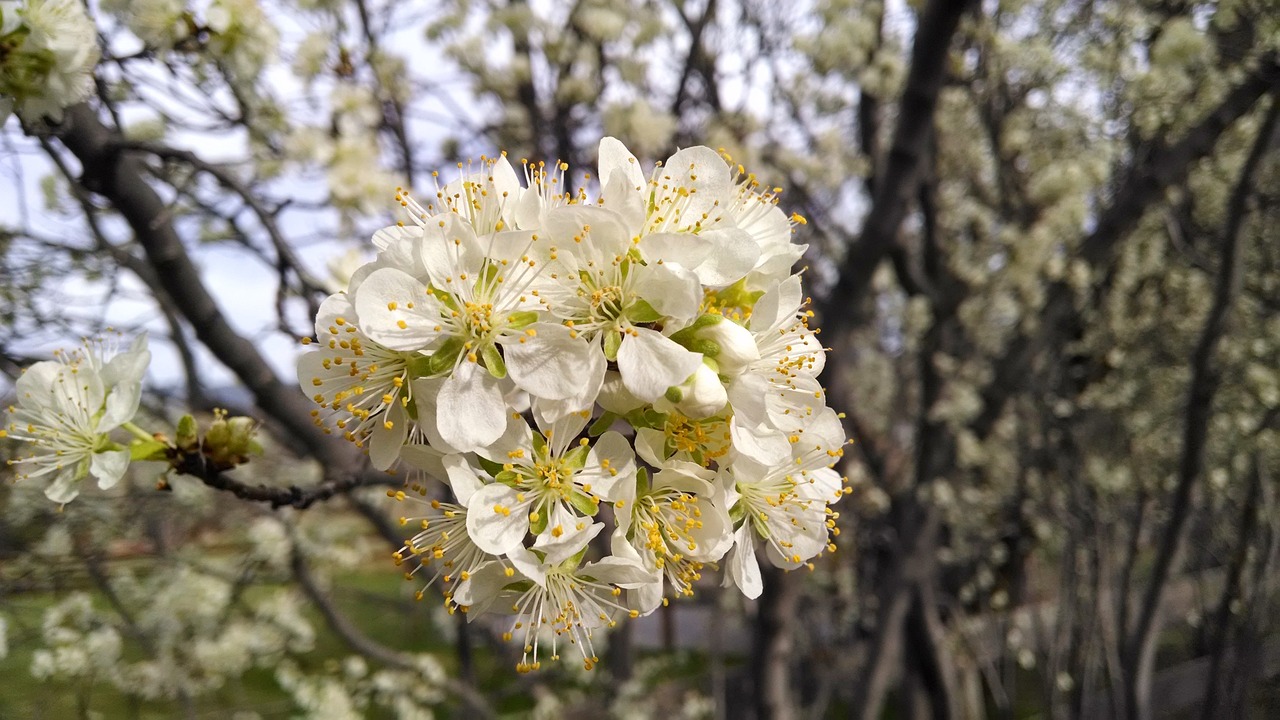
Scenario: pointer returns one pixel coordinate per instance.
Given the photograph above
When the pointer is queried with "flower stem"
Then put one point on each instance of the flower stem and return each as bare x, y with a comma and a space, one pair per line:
138, 432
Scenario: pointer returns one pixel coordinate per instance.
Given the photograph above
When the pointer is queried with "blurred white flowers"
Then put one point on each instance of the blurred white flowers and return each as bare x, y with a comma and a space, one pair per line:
48, 49
66, 409
548, 355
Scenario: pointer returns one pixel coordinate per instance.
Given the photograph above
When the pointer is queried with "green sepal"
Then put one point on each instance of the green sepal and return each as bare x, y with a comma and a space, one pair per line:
537, 528
577, 457
710, 348
507, 477
573, 562
521, 319
612, 341
641, 311
674, 394
601, 424
148, 450
493, 361
490, 466
646, 417
762, 530
418, 366
445, 297
519, 586
443, 359
539, 446
737, 513
585, 504
642, 482
255, 448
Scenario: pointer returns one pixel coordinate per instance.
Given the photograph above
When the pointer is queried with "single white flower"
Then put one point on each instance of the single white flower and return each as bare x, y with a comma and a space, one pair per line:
546, 476
784, 506
778, 393
674, 522
361, 386
66, 408
555, 601
603, 293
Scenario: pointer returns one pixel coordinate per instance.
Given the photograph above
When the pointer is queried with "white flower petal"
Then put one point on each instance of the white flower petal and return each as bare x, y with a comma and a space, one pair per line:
671, 290
614, 157
496, 522
651, 362
109, 467
394, 310
778, 306
65, 487
733, 255
470, 410
385, 443
742, 568
462, 478
611, 468
121, 406
760, 443
550, 363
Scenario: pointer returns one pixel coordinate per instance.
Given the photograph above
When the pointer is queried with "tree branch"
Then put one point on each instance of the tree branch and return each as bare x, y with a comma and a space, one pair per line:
1157, 169
117, 175
1140, 649
895, 188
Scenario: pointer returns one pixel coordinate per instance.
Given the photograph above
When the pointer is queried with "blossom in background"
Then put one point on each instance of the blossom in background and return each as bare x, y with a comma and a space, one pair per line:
547, 354
48, 49
66, 409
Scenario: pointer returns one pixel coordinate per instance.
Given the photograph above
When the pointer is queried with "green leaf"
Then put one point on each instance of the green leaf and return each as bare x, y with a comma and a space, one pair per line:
493, 361
612, 341
148, 450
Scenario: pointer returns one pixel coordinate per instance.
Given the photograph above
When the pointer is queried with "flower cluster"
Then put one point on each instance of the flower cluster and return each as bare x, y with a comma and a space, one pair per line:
639, 361
67, 408
48, 49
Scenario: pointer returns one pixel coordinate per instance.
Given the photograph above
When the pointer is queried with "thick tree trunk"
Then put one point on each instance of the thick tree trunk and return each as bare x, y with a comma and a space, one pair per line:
774, 652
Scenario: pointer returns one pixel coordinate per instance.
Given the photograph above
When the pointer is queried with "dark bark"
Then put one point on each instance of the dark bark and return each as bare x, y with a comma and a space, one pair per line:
897, 185
1139, 654
774, 652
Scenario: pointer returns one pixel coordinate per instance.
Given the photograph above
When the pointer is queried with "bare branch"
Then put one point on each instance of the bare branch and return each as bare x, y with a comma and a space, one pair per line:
895, 188
1140, 649
117, 175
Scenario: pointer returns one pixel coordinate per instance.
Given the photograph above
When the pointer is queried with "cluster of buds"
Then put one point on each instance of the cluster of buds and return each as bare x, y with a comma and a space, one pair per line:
593, 398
